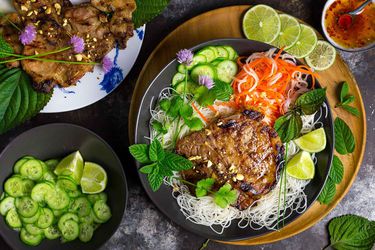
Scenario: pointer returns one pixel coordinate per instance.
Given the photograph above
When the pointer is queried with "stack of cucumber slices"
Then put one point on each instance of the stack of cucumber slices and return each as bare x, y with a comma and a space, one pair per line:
262, 23
216, 62
47, 200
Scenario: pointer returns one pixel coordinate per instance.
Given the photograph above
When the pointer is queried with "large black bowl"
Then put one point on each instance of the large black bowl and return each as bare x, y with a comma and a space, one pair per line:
163, 198
55, 141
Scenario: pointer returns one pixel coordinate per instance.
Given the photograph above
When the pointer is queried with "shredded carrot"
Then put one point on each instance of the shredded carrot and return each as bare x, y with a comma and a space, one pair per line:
199, 113
265, 83
212, 108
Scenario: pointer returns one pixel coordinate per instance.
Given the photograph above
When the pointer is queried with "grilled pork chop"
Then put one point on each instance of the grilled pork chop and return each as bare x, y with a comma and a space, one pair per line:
240, 150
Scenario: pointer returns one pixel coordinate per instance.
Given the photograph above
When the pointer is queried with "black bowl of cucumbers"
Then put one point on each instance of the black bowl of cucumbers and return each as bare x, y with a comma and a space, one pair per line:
63, 187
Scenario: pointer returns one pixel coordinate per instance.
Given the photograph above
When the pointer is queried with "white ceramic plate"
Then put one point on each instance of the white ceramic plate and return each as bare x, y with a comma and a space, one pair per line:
94, 85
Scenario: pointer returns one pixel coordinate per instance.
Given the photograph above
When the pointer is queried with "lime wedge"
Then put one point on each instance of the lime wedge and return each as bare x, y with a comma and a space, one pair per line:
72, 166
301, 166
289, 32
306, 42
94, 178
322, 57
312, 142
261, 23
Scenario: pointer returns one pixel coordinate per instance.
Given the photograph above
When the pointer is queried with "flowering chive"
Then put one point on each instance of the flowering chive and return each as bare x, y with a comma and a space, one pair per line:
206, 81
77, 43
28, 34
185, 57
107, 64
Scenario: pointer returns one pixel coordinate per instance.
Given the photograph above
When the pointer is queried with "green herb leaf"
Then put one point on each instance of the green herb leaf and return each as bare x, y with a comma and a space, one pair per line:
186, 111
204, 96
148, 169
222, 91
337, 170
348, 100
158, 127
352, 110
311, 101
344, 91
176, 162
344, 139
288, 127
328, 192
18, 100
165, 104
156, 151
176, 104
195, 124
147, 10
155, 178
203, 186
225, 196
5, 47
140, 152
351, 232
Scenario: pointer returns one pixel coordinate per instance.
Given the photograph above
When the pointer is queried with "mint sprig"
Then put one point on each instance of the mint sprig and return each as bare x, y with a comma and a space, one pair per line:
147, 10
344, 138
159, 163
346, 99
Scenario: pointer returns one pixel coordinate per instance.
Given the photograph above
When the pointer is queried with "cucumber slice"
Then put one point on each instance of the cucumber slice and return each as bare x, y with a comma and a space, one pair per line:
95, 197
30, 220
197, 59
86, 232
66, 184
14, 187
181, 68
6, 205
203, 70
45, 219
29, 239
208, 53
52, 163
32, 169
69, 230
57, 199
217, 61
186, 87
222, 52
32, 229
226, 70
19, 163
26, 206
66, 217
27, 186
88, 219
232, 53
38, 193
52, 232
81, 206
12, 219
102, 210
3, 195
178, 77
49, 176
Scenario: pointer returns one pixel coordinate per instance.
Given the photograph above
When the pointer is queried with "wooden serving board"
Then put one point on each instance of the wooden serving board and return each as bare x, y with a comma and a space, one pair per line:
226, 23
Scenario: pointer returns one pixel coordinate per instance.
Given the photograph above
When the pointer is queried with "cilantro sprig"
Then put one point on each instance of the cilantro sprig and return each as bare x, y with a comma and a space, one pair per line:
346, 99
158, 163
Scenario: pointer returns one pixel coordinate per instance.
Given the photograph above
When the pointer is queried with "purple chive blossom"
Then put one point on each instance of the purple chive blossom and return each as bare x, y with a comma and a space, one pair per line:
78, 44
28, 34
185, 57
107, 64
206, 81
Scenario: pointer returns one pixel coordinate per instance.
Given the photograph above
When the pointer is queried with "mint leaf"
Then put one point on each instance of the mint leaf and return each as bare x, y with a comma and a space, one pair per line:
155, 179
156, 151
222, 91
348, 99
195, 124
203, 186
288, 127
186, 111
328, 192
311, 101
148, 169
337, 170
344, 139
140, 152
351, 232
225, 196
344, 91
5, 47
147, 10
352, 110
176, 162
18, 100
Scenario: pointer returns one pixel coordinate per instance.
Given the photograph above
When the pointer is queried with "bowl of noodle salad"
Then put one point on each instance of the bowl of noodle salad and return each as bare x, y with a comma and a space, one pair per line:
234, 112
